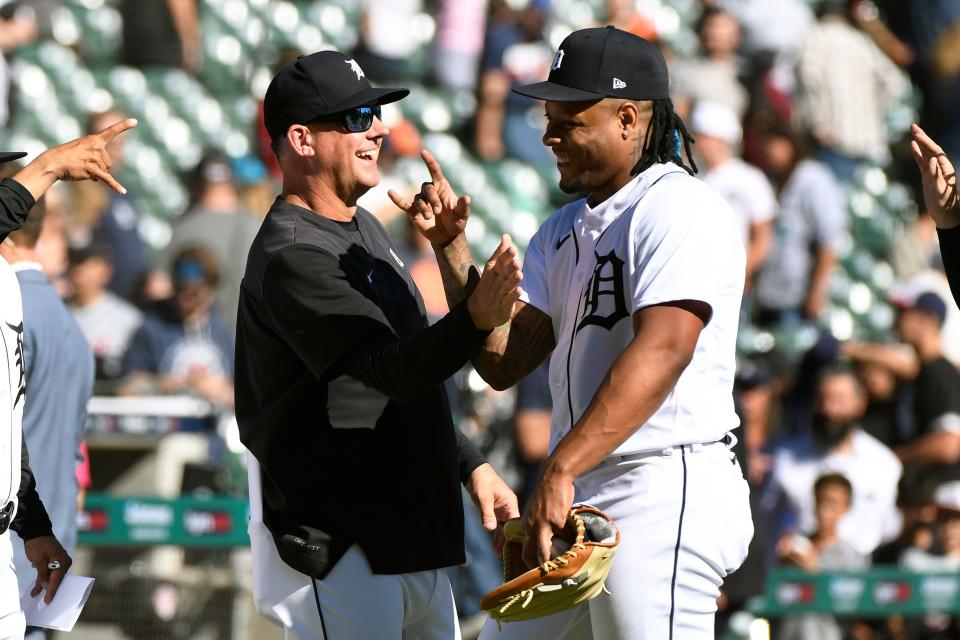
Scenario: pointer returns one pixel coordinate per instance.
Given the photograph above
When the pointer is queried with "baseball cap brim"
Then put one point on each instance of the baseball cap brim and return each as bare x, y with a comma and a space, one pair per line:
373, 95
554, 92
7, 156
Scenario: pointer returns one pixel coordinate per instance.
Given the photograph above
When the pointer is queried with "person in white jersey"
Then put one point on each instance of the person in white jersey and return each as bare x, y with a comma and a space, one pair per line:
635, 290
741, 184
21, 509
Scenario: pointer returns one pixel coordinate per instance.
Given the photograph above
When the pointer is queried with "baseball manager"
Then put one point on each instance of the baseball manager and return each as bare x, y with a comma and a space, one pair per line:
339, 384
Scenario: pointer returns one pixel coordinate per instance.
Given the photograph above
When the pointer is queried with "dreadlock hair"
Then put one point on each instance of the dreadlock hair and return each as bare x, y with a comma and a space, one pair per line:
663, 140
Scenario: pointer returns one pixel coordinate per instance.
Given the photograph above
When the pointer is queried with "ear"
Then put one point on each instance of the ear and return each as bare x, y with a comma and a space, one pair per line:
634, 117
301, 141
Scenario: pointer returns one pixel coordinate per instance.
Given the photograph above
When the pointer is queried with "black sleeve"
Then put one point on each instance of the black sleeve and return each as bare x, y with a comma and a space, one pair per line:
938, 397
31, 520
15, 204
950, 253
468, 456
331, 324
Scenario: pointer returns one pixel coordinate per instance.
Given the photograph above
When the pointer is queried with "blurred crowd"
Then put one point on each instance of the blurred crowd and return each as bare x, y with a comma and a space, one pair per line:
852, 447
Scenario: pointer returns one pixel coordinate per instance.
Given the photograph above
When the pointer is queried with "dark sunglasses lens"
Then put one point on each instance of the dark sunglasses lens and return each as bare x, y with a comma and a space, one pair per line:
361, 118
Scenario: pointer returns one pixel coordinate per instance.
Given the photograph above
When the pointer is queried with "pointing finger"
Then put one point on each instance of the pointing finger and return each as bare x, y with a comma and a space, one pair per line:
436, 173
116, 129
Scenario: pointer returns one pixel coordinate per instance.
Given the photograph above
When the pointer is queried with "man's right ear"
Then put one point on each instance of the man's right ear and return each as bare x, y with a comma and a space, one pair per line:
301, 141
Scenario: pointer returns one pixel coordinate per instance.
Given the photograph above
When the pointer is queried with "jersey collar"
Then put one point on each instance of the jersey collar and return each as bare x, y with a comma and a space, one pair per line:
595, 219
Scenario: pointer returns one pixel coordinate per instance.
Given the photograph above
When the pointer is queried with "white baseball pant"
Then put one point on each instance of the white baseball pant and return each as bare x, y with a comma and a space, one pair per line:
684, 518
351, 602
12, 622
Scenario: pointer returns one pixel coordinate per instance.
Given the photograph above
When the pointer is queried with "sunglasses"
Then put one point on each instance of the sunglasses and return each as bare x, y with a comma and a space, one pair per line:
356, 120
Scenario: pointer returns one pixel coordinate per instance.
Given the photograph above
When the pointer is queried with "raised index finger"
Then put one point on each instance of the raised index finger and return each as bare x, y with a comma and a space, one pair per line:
116, 129
436, 173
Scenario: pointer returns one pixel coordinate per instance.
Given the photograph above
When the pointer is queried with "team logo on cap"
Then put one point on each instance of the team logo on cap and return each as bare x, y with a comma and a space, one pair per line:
619, 84
355, 68
557, 60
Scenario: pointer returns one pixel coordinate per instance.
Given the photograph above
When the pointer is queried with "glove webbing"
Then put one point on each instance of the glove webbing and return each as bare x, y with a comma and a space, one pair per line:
527, 594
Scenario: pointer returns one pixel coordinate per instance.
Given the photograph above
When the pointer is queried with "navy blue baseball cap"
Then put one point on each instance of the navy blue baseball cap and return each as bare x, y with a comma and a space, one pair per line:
317, 85
603, 62
931, 304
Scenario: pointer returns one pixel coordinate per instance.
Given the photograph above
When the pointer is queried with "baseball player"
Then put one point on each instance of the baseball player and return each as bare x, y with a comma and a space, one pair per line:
357, 506
635, 289
20, 506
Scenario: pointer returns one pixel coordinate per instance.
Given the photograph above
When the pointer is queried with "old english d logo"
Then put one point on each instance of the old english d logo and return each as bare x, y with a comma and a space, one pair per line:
606, 285
557, 60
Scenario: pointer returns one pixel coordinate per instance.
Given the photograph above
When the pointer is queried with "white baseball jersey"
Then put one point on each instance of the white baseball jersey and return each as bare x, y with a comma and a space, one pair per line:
664, 236
12, 383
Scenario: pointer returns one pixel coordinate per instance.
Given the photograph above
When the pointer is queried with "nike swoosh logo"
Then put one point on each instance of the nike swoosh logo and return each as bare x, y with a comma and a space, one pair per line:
562, 240
370, 277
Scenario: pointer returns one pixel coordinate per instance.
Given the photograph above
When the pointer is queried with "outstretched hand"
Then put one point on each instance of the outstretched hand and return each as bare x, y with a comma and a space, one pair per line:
85, 158
492, 301
939, 179
437, 212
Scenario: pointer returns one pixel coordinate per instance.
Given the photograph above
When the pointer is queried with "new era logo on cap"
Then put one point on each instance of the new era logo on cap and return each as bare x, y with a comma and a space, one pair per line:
619, 84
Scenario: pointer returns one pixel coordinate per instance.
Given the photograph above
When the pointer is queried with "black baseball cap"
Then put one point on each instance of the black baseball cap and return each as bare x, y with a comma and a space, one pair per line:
597, 63
7, 156
317, 85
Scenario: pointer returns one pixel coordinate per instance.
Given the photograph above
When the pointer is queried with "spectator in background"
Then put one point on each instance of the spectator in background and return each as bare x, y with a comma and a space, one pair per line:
935, 29
944, 554
116, 225
16, 30
107, 321
744, 186
216, 221
846, 86
161, 33
714, 74
58, 369
388, 38
866, 15
459, 43
931, 457
941, 555
811, 221
888, 415
825, 550
623, 14
182, 345
772, 29
837, 445
514, 54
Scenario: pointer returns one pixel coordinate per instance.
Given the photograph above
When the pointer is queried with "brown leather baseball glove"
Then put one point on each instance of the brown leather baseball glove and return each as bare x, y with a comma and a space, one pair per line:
584, 555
